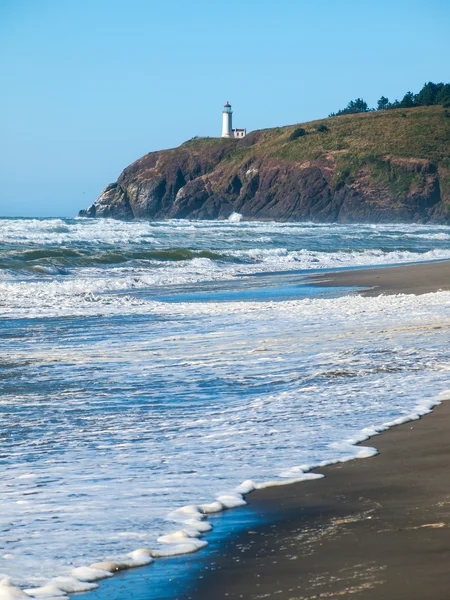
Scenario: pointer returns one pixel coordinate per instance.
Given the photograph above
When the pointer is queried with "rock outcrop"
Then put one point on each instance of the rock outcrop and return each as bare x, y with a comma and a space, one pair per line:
363, 168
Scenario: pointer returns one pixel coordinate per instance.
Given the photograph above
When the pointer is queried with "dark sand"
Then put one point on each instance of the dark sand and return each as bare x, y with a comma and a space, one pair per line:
419, 278
375, 528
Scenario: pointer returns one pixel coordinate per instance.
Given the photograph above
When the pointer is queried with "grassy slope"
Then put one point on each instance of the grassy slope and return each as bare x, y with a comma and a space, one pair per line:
376, 138
372, 139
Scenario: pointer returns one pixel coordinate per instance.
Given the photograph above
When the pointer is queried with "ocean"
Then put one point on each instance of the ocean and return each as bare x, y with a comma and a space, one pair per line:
153, 373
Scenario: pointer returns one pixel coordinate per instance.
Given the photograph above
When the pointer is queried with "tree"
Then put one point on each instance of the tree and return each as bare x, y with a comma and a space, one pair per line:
409, 100
353, 107
383, 103
357, 106
443, 95
395, 104
430, 94
427, 95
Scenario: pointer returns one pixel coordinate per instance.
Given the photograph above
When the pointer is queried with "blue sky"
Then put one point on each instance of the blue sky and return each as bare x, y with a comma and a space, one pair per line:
88, 86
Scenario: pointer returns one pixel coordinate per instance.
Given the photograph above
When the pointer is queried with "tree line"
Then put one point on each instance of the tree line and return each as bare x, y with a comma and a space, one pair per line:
430, 94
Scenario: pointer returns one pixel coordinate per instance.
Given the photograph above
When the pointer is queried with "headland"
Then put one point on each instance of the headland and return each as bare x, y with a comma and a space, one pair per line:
374, 167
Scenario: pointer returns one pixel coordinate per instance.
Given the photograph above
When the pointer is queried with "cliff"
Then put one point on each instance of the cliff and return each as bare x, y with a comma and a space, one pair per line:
373, 167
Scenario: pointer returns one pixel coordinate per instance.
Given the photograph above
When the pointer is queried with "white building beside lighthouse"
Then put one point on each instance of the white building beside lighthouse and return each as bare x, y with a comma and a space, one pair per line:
227, 124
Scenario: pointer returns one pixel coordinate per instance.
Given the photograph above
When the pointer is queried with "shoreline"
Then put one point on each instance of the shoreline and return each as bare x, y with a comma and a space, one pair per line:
411, 278
372, 528
279, 505
366, 530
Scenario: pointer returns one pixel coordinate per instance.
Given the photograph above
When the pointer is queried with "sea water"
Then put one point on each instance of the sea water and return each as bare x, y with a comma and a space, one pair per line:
152, 373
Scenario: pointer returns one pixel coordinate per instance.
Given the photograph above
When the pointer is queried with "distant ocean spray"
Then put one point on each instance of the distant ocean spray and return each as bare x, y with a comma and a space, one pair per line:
154, 372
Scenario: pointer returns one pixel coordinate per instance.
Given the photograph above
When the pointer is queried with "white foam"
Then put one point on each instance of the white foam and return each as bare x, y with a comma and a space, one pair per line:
72, 585
231, 500
108, 565
47, 592
212, 507
246, 487
136, 558
186, 512
289, 479
235, 218
10, 592
177, 536
90, 574
196, 526
177, 549
139, 558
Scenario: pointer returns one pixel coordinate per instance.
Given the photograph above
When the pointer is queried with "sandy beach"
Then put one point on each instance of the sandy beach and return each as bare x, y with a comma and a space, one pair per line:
371, 529
375, 528
420, 278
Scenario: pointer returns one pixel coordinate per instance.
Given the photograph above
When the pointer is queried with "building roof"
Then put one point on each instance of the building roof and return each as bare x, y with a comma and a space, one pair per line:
227, 105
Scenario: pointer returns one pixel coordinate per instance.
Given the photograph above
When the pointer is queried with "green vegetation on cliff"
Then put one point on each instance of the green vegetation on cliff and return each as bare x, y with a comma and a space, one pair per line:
373, 139
417, 132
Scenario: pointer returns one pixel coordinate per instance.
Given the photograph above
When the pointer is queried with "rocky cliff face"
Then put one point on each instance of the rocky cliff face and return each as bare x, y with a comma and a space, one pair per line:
360, 170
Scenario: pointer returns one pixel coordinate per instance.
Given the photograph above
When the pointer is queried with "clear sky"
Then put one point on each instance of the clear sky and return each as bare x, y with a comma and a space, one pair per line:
88, 86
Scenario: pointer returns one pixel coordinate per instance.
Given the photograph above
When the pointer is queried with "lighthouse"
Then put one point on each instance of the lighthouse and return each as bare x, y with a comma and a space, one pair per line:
227, 124
227, 120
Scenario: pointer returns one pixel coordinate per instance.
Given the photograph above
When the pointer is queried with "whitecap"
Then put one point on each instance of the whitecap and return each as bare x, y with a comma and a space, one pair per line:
235, 218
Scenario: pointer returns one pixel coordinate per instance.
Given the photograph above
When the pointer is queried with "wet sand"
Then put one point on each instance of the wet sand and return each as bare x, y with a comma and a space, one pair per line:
372, 529
419, 278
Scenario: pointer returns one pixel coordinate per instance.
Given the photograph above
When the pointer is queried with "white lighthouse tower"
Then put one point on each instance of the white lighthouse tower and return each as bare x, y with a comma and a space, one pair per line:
227, 124
227, 121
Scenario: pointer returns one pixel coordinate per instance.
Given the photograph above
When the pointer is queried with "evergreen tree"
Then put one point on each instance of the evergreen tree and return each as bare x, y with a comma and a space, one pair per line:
430, 94
383, 103
357, 106
427, 95
409, 100
443, 95
353, 107
395, 104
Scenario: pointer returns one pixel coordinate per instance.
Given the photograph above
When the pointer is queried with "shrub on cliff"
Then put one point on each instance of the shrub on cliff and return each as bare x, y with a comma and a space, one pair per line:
322, 128
299, 132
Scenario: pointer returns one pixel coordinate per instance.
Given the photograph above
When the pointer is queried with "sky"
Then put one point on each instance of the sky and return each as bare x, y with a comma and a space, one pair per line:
89, 86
